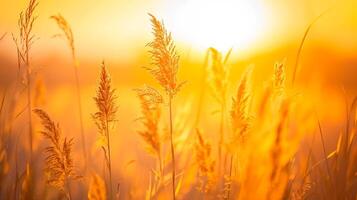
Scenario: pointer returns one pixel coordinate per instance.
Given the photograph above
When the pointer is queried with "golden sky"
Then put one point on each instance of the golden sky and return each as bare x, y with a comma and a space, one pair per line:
119, 29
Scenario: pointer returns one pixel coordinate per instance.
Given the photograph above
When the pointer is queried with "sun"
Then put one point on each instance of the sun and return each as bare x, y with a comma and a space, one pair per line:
219, 23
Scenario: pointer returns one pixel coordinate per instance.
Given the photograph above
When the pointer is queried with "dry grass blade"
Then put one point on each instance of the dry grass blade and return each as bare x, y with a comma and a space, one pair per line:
97, 189
105, 116
297, 61
59, 161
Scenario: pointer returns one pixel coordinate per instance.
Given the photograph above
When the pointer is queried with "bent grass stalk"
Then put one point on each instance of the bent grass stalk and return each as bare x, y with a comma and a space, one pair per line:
298, 55
67, 31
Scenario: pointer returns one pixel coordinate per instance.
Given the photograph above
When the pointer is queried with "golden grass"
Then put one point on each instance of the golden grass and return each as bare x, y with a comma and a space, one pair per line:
23, 44
97, 189
206, 164
240, 118
164, 69
259, 154
59, 161
67, 30
218, 73
151, 101
164, 58
104, 117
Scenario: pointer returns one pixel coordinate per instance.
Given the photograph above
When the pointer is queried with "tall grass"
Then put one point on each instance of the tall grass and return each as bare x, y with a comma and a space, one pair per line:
206, 164
150, 101
105, 117
67, 30
59, 161
260, 156
240, 119
165, 64
24, 43
218, 73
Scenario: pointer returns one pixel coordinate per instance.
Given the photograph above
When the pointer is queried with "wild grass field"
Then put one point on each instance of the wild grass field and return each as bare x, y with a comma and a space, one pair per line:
172, 123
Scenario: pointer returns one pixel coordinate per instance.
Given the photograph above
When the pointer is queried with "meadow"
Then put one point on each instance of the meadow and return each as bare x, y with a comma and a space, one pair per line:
174, 126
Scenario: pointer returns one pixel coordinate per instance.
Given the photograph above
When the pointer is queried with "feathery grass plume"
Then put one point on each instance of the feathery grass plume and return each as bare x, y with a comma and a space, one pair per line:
218, 77
67, 31
240, 121
164, 69
59, 161
23, 46
240, 106
104, 117
218, 73
205, 164
97, 189
165, 61
150, 100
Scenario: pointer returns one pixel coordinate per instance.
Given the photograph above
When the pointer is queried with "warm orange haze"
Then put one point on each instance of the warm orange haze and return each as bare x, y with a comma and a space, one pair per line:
193, 99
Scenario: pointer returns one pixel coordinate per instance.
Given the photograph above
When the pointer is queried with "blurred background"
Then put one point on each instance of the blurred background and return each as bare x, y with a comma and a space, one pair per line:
260, 32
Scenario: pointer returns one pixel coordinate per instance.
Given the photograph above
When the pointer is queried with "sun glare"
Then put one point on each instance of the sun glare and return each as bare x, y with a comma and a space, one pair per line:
219, 23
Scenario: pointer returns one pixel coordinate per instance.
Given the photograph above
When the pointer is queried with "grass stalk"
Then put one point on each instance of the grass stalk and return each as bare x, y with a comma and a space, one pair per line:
173, 174
67, 30
109, 161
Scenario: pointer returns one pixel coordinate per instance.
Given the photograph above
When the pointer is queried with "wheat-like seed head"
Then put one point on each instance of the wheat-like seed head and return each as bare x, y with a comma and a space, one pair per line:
150, 100
205, 163
97, 190
66, 29
218, 74
105, 101
165, 59
59, 161
240, 105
